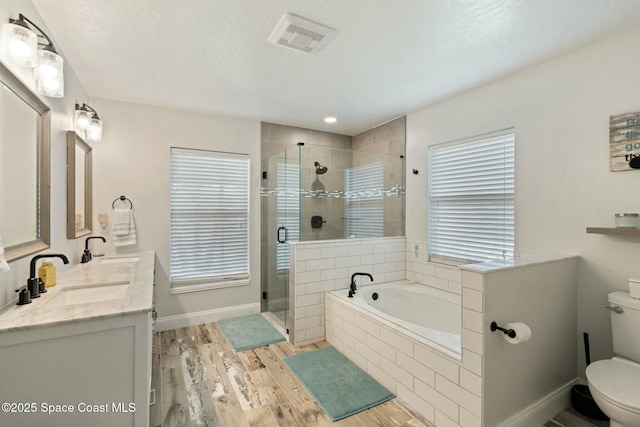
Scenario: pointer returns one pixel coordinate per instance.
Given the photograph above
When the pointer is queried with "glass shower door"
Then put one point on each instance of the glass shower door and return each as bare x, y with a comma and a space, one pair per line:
284, 210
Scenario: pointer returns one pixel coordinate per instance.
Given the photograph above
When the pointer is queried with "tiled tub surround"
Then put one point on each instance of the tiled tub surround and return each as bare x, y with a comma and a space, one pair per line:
323, 266
486, 384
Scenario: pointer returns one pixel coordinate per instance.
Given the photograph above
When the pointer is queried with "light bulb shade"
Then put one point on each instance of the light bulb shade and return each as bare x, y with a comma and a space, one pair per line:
83, 120
20, 44
94, 133
49, 73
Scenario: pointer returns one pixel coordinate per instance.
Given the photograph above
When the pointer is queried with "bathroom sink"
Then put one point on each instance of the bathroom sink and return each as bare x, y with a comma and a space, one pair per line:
119, 260
81, 294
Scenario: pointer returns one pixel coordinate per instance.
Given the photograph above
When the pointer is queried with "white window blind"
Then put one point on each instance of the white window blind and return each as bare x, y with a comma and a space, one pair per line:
471, 200
209, 240
365, 200
288, 210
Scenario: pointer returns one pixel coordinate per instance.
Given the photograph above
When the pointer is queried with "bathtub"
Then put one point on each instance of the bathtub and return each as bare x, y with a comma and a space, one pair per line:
426, 314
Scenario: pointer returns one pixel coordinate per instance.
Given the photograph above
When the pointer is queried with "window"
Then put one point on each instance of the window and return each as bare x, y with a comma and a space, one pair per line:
471, 200
365, 200
209, 239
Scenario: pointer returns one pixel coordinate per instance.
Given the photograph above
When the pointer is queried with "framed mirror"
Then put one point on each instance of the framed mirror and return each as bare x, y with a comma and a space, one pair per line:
25, 141
79, 186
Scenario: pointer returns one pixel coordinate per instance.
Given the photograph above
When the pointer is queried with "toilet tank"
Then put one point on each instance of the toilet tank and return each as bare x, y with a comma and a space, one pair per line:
625, 326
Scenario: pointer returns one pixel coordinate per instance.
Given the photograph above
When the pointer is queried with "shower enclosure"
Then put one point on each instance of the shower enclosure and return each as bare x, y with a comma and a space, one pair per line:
321, 193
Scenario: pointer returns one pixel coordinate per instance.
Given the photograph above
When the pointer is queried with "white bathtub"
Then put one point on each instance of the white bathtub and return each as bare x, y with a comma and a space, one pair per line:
431, 314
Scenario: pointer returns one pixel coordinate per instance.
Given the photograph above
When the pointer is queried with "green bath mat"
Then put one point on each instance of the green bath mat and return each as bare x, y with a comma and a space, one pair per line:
249, 332
337, 384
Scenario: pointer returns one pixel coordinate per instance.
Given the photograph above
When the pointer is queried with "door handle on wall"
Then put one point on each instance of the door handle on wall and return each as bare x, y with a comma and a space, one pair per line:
280, 240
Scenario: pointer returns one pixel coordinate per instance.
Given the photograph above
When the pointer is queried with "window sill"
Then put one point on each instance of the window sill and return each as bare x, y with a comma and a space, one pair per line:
183, 289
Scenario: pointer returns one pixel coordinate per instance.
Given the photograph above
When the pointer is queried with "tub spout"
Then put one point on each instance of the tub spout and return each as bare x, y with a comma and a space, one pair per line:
352, 286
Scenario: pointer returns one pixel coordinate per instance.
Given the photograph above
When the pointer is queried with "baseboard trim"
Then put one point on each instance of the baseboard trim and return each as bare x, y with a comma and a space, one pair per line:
544, 409
198, 317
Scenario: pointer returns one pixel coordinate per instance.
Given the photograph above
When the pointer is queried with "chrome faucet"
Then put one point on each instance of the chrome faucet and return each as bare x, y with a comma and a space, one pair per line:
86, 255
352, 286
35, 286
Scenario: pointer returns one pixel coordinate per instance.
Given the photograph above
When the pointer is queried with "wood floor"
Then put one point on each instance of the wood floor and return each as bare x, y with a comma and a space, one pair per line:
200, 381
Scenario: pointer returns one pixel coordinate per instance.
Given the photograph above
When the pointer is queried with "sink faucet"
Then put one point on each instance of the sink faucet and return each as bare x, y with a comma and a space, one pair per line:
352, 286
86, 255
35, 286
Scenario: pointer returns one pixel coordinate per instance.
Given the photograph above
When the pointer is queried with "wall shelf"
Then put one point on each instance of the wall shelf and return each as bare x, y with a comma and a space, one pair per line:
614, 231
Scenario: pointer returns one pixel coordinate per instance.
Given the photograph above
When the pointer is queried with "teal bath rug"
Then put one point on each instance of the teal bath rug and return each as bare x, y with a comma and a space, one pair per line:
249, 332
338, 385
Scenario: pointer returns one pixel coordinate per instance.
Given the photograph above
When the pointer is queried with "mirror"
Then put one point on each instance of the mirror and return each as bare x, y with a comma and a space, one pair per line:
79, 187
25, 140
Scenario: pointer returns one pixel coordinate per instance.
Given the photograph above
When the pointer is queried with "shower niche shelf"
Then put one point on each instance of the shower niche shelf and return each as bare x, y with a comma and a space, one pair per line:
614, 231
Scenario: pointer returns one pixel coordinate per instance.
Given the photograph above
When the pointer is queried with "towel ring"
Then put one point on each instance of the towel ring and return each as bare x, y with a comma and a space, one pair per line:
123, 198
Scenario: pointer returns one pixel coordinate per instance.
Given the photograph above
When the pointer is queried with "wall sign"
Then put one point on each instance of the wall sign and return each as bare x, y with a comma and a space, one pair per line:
624, 141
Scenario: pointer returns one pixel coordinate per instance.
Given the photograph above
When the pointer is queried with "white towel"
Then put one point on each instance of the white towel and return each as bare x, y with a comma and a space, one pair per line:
4, 267
121, 221
124, 231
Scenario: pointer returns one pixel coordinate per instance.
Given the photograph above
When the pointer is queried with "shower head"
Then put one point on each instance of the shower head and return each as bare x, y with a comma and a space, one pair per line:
320, 169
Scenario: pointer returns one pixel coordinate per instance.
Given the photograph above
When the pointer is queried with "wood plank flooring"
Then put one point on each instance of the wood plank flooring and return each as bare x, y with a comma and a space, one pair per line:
200, 381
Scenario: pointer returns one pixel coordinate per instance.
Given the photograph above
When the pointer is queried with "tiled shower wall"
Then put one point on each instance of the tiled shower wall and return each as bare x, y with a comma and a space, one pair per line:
420, 270
319, 267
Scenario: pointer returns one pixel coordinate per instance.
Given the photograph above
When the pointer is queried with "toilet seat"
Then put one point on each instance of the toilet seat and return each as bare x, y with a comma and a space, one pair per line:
617, 381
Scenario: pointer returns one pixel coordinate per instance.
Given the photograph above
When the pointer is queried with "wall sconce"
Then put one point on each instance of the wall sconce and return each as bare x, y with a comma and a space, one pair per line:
21, 44
88, 123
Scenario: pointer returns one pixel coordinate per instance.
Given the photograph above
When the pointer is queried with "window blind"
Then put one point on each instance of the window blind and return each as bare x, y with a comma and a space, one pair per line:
471, 200
209, 198
365, 200
288, 210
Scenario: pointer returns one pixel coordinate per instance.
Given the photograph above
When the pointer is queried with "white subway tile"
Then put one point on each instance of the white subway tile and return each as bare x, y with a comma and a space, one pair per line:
305, 254
334, 252
472, 280
451, 274
444, 421
384, 248
397, 373
471, 382
438, 400
382, 377
319, 286
367, 325
462, 397
472, 299
304, 300
320, 264
315, 310
394, 257
307, 322
384, 268
472, 361
362, 268
375, 259
472, 340
355, 357
380, 347
360, 250
348, 261
472, 320
436, 282
442, 366
421, 372
415, 402
467, 419
301, 266
307, 277
368, 353
397, 341
316, 333
455, 287
423, 269
334, 273
394, 276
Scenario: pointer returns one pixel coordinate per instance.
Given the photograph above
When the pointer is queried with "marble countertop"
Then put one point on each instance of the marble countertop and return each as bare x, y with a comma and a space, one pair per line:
137, 295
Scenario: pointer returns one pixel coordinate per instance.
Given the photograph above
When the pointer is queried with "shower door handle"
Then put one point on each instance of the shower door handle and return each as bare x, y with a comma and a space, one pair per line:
280, 240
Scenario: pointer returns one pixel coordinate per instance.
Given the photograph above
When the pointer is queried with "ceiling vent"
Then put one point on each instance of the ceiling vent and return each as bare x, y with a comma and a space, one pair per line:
299, 33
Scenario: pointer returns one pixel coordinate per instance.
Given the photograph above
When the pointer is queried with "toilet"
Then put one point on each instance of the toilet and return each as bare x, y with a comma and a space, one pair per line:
615, 383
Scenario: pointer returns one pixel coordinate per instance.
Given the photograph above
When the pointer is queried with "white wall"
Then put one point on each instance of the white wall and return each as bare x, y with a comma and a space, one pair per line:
62, 115
560, 111
133, 160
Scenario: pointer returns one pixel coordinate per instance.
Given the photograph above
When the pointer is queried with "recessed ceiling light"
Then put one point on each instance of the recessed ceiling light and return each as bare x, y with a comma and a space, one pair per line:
330, 120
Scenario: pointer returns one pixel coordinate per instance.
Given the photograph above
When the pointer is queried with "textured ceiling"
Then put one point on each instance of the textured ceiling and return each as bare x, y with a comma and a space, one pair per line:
387, 57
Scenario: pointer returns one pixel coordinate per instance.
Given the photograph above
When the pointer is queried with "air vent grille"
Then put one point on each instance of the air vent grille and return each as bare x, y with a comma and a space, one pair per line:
300, 33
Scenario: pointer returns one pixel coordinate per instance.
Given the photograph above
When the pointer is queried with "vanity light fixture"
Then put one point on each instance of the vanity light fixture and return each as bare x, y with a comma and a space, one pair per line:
88, 123
330, 120
21, 44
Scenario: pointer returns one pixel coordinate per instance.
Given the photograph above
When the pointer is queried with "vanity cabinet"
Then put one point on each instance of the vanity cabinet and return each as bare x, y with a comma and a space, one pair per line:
92, 369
